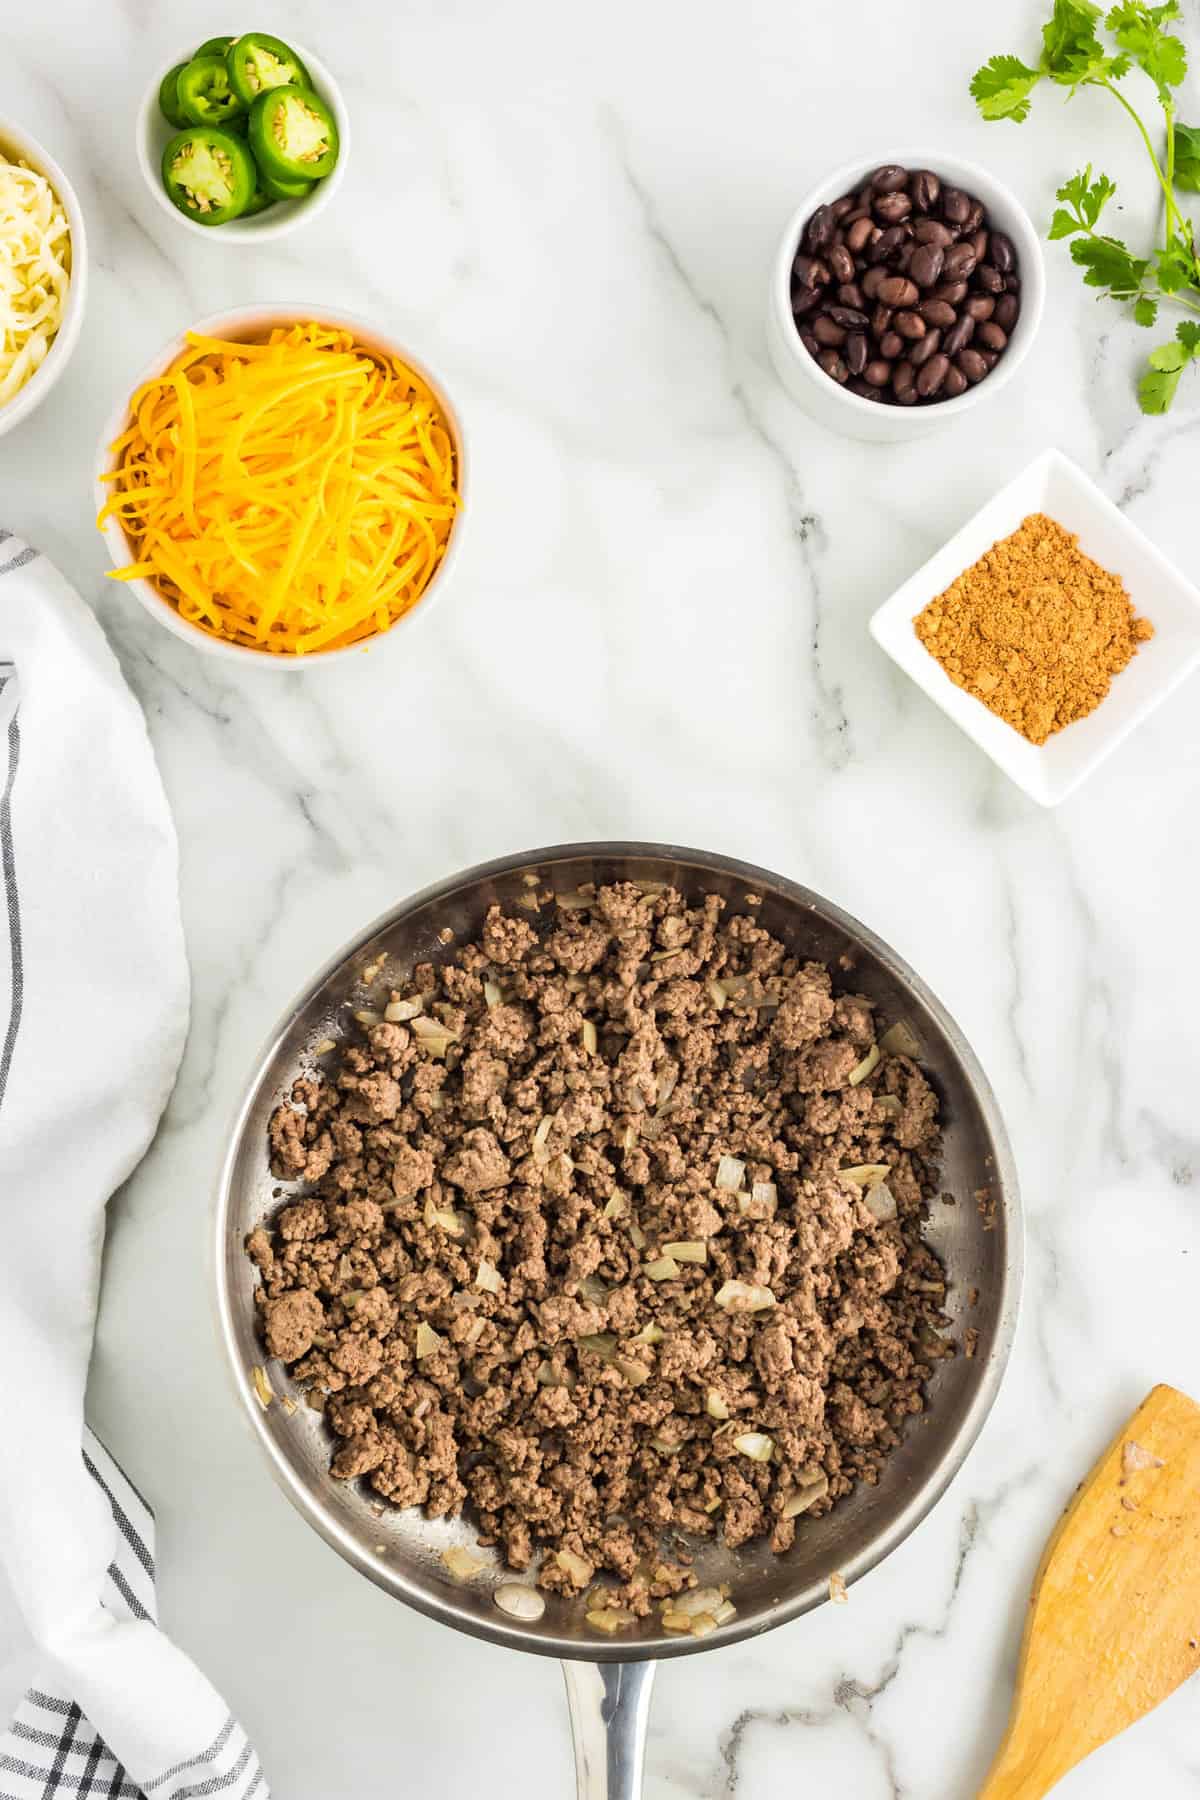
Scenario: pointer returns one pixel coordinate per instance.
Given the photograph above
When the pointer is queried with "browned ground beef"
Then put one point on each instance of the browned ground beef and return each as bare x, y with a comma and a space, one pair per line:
603, 1060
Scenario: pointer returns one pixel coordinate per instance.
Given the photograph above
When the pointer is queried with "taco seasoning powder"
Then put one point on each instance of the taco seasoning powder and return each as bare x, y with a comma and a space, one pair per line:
1035, 629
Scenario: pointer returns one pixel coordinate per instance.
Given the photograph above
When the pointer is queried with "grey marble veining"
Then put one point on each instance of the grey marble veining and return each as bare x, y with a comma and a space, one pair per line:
658, 631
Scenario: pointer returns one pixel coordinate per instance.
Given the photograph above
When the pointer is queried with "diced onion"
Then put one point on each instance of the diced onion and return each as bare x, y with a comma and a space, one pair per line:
492, 995
865, 1175
575, 1566
433, 1037
637, 1236
663, 1268
649, 1334
615, 1206
729, 1173
765, 1193
694, 1250
807, 1494
588, 1034
715, 1405
399, 1012
864, 1068
594, 1291
634, 1372
889, 1105
898, 1040
263, 1390
366, 1015
756, 1445
744, 1297
428, 1341
600, 1343
609, 1618
716, 993
462, 1563
695, 1600
880, 1202
488, 1277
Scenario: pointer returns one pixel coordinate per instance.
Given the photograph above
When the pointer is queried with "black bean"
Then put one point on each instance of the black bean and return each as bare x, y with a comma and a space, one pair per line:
903, 380
889, 179
980, 306
910, 324
819, 229
897, 290
810, 271
925, 190
847, 316
878, 373
804, 299
850, 294
871, 280
855, 352
841, 262
891, 345
932, 376
827, 332
925, 266
831, 362
972, 364
956, 205
857, 386
1004, 256
959, 334
1005, 311
843, 206
954, 383
862, 232
920, 352
932, 231
953, 292
990, 358
979, 244
992, 336
1012, 284
907, 398
810, 343
989, 279
937, 312
974, 218
881, 319
959, 262
890, 208
886, 244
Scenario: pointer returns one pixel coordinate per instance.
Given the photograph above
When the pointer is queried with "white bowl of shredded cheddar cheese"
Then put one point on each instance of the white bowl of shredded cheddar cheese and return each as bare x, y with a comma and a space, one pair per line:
285, 486
43, 273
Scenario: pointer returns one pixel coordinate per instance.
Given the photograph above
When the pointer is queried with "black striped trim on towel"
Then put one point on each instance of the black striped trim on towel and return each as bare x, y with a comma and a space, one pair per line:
51, 1750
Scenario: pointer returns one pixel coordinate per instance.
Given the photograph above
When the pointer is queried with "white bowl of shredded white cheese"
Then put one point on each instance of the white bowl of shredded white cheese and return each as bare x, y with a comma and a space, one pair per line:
43, 273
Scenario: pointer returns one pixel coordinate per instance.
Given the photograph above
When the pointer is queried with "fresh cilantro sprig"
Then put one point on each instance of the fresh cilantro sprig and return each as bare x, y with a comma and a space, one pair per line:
1073, 56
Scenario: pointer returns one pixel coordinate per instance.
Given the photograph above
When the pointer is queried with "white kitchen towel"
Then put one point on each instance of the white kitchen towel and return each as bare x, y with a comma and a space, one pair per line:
93, 1015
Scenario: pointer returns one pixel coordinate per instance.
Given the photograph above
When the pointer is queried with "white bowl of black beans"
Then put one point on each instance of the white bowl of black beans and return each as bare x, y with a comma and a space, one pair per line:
907, 289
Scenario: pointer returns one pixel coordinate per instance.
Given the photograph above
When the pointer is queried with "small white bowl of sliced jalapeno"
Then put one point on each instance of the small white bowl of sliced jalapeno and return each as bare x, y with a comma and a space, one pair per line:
243, 138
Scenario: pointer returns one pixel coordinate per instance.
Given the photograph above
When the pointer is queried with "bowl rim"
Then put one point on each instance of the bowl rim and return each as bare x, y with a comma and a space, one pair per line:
962, 172
262, 316
391, 1577
285, 216
29, 149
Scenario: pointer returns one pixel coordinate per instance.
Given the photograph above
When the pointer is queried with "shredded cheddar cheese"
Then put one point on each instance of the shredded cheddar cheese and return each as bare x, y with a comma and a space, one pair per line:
294, 496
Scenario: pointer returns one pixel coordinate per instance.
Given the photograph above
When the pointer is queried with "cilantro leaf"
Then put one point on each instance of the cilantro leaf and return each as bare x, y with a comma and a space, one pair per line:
1003, 86
1086, 200
1157, 387
1139, 29
1187, 157
1176, 266
1146, 311
1071, 51
1109, 264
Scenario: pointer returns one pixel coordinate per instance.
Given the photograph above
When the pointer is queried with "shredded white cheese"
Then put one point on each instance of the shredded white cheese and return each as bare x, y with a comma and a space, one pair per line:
35, 273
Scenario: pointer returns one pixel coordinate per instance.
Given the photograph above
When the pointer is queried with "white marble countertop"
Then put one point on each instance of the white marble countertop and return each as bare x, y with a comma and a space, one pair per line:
658, 633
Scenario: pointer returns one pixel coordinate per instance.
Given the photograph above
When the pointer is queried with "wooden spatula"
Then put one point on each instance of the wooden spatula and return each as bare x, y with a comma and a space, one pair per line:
1114, 1618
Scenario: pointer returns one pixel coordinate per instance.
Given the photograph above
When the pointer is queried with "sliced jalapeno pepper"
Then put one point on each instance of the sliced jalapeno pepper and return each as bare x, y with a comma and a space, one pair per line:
257, 62
292, 135
213, 47
208, 174
168, 97
285, 190
205, 96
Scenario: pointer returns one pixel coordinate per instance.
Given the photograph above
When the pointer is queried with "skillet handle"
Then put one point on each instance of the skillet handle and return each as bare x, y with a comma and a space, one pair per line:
610, 1707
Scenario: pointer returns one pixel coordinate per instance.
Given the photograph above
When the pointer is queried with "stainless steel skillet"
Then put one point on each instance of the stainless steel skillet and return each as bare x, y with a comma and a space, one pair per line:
979, 1238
